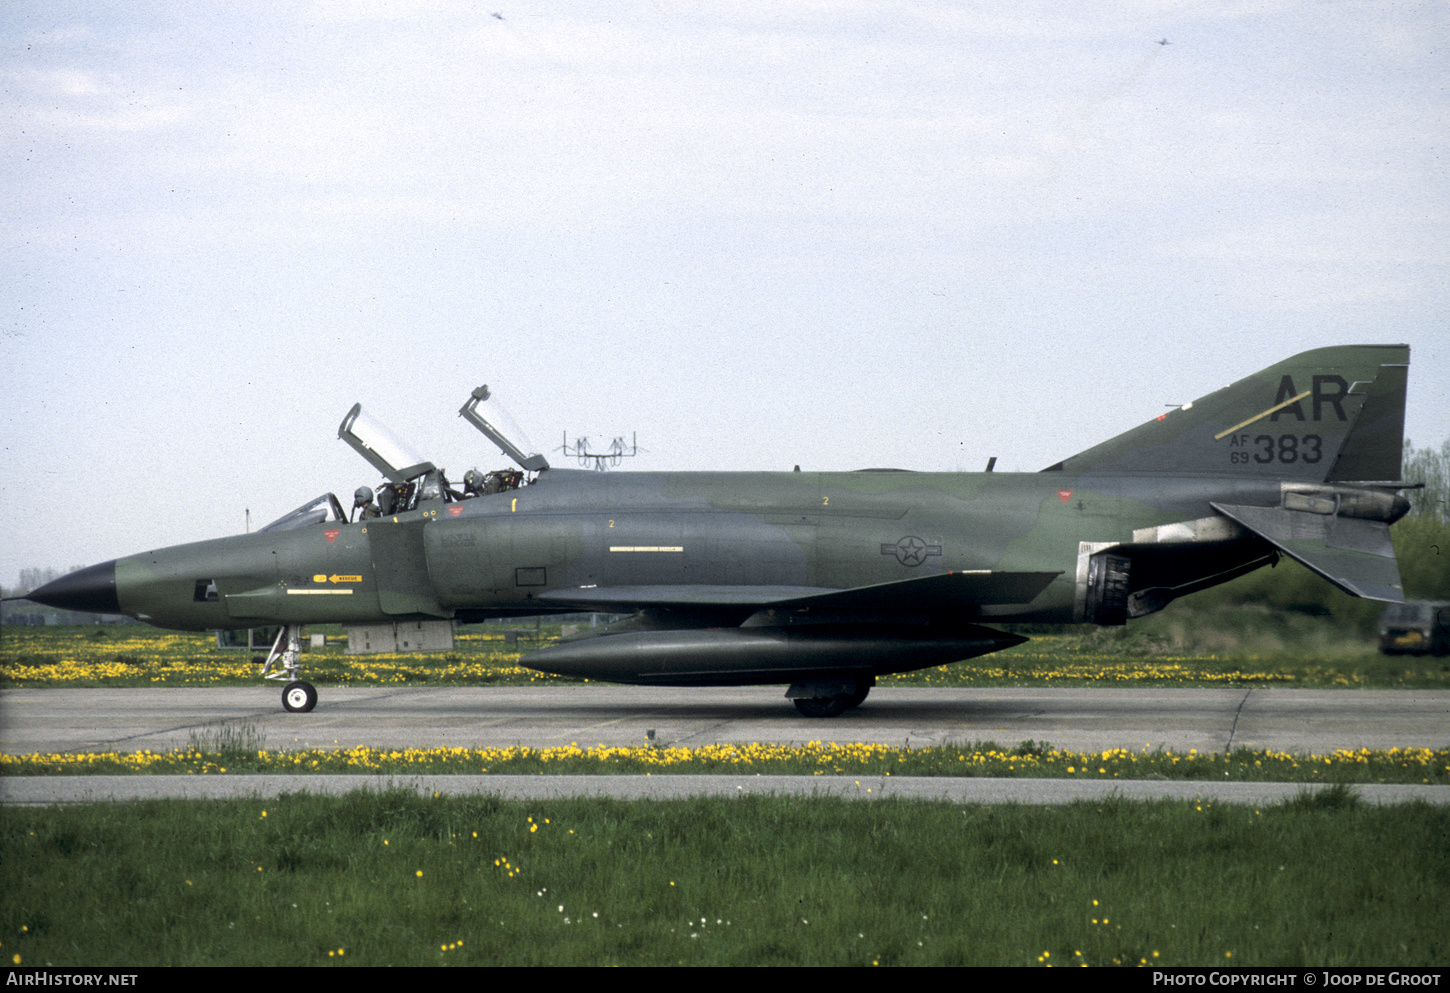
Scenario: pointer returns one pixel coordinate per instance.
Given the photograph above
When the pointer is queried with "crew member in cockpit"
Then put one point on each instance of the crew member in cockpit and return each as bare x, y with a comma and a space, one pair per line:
387, 500
363, 498
472, 484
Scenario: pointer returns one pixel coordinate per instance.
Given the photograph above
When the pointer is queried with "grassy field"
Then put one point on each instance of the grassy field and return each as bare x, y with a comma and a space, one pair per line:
135, 655
370, 879
374, 879
237, 755
1225, 647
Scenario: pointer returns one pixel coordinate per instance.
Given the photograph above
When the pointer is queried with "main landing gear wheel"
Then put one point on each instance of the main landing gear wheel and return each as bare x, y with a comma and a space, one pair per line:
838, 695
863, 687
826, 706
299, 697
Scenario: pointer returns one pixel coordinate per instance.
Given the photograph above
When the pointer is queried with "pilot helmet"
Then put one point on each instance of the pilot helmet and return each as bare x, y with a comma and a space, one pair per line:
362, 497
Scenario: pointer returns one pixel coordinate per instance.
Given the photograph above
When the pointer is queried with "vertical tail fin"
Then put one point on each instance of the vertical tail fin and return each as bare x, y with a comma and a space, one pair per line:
1376, 440
1333, 414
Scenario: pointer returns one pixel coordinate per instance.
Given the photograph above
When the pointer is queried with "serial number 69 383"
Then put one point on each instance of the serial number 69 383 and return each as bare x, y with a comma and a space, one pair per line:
1286, 448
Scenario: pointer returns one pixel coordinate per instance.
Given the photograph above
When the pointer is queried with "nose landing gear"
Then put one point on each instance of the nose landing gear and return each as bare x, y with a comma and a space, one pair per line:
298, 697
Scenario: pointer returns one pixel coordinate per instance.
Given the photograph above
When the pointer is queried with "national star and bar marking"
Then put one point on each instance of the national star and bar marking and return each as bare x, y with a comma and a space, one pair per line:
910, 550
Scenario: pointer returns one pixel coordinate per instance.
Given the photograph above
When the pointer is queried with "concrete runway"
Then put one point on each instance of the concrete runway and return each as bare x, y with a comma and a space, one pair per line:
1314, 721
1304, 721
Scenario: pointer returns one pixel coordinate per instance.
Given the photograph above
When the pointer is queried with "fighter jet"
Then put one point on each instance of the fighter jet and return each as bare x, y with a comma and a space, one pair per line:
822, 581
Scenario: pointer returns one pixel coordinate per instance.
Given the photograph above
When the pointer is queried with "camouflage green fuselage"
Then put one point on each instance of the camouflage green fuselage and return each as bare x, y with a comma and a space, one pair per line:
545, 548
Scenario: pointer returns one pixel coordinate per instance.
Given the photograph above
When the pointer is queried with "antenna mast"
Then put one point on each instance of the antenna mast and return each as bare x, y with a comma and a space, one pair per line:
604, 460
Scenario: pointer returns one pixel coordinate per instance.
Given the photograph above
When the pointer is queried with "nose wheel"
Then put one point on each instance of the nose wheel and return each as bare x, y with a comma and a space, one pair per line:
285, 662
299, 697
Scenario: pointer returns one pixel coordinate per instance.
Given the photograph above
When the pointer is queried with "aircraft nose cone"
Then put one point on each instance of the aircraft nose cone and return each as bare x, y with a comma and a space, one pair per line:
92, 589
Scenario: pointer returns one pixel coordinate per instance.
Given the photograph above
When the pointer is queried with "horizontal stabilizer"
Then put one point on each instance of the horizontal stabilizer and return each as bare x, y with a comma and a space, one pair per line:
1352, 553
952, 589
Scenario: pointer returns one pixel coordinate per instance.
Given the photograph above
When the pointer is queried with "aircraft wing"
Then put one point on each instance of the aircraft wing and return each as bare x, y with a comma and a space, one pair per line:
1354, 554
952, 589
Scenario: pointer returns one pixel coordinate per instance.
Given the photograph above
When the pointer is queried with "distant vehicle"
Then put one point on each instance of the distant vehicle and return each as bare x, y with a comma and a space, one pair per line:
1419, 627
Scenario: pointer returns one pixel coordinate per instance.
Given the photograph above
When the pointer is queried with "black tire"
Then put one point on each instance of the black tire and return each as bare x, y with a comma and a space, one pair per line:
863, 687
830, 706
299, 697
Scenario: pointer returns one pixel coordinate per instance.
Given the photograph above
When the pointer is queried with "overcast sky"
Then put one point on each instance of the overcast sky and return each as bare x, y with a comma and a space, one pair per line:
757, 234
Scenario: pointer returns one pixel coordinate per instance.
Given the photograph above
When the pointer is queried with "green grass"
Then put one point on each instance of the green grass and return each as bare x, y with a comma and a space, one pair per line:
397, 879
136, 655
244, 753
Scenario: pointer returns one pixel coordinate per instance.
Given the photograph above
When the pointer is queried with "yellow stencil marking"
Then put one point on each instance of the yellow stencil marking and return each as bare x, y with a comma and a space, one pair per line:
1287, 403
646, 548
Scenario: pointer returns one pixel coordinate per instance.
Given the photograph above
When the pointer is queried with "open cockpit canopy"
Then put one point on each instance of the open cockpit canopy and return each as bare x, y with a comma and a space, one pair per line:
412, 478
485, 412
384, 450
